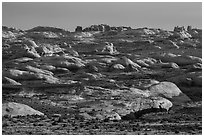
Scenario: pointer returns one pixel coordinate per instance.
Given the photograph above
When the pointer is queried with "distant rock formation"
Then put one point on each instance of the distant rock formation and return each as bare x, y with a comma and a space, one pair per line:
180, 33
44, 29
78, 29
105, 28
189, 28
109, 48
179, 29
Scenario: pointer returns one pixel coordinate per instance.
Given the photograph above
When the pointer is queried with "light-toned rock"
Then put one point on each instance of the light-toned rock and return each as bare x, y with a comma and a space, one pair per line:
114, 116
25, 75
168, 65
116, 68
47, 67
128, 64
109, 48
142, 63
23, 59
18, 74
121, 104
10, 81
142, 93
170, 91
31, 43
178, 59
37, 70
16, 109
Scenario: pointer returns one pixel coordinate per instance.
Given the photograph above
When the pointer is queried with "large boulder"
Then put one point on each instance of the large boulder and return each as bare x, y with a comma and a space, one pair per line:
20, 75
119, 104
181, 60
170, 91
16, 109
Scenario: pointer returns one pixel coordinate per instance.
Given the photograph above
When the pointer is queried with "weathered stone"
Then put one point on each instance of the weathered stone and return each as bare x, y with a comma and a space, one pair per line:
22, 50
31, 43
10, 81
16, 109
178, 59
19, 75
116, 68
170, 91
109, 48
25, 75
142, 63
128, 64
114, 116
117, 104
37, 70
23, 59
168, 65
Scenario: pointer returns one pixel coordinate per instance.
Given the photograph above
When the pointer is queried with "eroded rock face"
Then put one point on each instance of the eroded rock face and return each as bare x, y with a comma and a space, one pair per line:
16, 109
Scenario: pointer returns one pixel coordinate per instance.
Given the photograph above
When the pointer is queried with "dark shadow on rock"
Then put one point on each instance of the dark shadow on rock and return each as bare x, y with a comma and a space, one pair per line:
138, 114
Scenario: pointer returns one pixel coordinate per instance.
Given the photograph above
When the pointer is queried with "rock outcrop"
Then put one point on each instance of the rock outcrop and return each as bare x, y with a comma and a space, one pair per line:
181, 60
170, 91
105, 28
14, 109
78, 29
